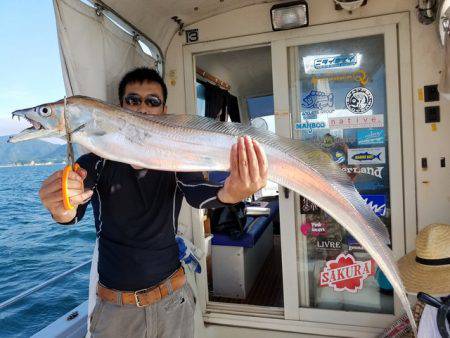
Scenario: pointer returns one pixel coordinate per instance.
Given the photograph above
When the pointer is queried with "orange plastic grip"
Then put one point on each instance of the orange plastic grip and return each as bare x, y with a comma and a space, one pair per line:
65, 188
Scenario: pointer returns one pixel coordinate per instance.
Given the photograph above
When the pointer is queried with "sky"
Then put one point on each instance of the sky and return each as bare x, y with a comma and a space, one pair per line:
30, 68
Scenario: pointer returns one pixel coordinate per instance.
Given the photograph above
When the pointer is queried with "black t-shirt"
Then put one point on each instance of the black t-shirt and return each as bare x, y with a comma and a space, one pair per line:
136, 214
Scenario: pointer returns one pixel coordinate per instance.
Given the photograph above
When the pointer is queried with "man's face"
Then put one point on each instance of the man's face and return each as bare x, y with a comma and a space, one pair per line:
145, 97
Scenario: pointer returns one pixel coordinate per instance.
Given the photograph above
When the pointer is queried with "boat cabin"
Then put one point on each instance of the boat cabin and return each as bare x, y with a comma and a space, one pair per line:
362, 79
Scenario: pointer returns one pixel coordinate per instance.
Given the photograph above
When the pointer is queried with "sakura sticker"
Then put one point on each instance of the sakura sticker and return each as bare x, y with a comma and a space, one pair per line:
346, 274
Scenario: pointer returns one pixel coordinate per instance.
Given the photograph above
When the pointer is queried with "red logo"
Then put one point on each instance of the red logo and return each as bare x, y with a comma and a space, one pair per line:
346, 274
314, 228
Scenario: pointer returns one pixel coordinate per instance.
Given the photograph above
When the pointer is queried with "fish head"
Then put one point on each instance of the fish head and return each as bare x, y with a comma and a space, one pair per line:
47, 120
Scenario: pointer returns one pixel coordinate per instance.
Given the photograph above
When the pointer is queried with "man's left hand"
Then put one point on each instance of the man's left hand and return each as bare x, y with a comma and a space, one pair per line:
248, 171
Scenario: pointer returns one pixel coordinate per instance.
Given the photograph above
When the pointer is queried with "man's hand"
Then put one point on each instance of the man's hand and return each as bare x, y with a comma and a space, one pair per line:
51, 194
248, 171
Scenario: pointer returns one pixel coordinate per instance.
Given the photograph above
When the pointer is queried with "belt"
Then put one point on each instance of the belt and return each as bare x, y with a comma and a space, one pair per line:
144, 297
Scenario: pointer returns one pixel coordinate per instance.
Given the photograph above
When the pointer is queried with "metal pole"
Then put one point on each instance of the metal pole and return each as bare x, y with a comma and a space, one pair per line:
40, 286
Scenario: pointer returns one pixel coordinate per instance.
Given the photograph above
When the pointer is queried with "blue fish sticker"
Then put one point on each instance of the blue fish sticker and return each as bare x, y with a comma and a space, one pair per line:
318, 100
370, 136
366, 155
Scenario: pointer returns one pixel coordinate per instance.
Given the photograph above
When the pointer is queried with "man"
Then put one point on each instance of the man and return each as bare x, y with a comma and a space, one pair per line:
142, 290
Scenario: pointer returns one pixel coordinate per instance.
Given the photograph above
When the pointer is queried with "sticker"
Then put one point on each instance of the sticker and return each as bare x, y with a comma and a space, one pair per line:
308, 207
314, 228
372, 171
433, 127
354, 122
358, 76
310, 126
421, 96
359, 100
328, 141
370, 136
377, 203
353, 244
309, 115
328, 244
366, 156
339, 157
365, 185
192, 35
318, 100
337, 62
346, 274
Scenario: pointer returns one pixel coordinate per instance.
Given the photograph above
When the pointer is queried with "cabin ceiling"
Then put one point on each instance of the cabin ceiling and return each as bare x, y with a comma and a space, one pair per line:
153, 17
248, 71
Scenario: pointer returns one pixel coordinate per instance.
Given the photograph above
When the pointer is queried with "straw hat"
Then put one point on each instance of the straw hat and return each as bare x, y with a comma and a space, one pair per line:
427, 268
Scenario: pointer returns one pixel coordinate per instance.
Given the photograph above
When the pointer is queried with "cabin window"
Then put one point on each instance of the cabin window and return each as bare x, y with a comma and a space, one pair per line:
338, 79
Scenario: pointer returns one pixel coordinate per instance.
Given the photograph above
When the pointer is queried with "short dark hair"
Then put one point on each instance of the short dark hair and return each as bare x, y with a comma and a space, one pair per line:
141, 75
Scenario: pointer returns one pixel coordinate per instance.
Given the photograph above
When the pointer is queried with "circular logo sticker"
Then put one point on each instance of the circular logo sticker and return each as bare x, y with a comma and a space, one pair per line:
359, 100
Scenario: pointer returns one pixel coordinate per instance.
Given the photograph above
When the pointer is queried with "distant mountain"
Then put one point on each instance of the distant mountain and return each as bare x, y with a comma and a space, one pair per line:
33, 150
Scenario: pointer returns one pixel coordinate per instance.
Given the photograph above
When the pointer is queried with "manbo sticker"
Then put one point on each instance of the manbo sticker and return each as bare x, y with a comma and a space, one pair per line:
367, 137
377, 203
309, 126
372, 171
359, 76
354, 122
318, 100
367, 155
359, 100
345, 273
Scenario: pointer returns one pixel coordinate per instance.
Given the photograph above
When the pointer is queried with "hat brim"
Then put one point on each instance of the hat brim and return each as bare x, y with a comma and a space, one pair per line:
434, 280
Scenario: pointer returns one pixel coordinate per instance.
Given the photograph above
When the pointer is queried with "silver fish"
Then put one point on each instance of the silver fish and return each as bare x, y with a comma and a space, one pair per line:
194, 143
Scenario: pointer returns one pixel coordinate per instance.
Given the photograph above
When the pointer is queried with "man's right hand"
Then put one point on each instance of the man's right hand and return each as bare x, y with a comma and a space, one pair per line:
52, 198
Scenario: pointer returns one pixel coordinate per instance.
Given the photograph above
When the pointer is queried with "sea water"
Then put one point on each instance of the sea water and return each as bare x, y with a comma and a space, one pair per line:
33, 249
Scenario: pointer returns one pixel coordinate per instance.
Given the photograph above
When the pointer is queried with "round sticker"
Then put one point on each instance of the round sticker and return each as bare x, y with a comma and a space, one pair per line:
339, 157
359, 100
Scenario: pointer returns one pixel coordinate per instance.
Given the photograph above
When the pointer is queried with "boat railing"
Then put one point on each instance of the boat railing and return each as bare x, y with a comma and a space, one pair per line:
28, 292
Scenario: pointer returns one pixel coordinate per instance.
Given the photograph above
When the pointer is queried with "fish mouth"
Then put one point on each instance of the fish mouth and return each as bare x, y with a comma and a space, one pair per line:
37, 130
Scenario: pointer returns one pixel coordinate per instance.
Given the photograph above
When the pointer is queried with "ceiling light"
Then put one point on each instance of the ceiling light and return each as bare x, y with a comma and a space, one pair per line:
289, 15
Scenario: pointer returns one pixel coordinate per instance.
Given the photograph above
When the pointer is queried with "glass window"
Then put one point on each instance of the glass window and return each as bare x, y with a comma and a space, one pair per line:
340, 105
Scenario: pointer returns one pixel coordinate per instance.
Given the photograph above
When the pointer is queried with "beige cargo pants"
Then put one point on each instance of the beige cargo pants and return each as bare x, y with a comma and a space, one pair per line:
171, 317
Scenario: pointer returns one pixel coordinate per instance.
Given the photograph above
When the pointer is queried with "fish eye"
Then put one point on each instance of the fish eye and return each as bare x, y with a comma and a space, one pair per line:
45, 111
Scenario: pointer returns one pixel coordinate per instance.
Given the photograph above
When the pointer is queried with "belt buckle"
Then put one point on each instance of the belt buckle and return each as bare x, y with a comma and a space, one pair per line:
136, 297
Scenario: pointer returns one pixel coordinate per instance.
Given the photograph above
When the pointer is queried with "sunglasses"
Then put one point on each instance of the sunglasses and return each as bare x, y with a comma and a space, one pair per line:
136, 100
